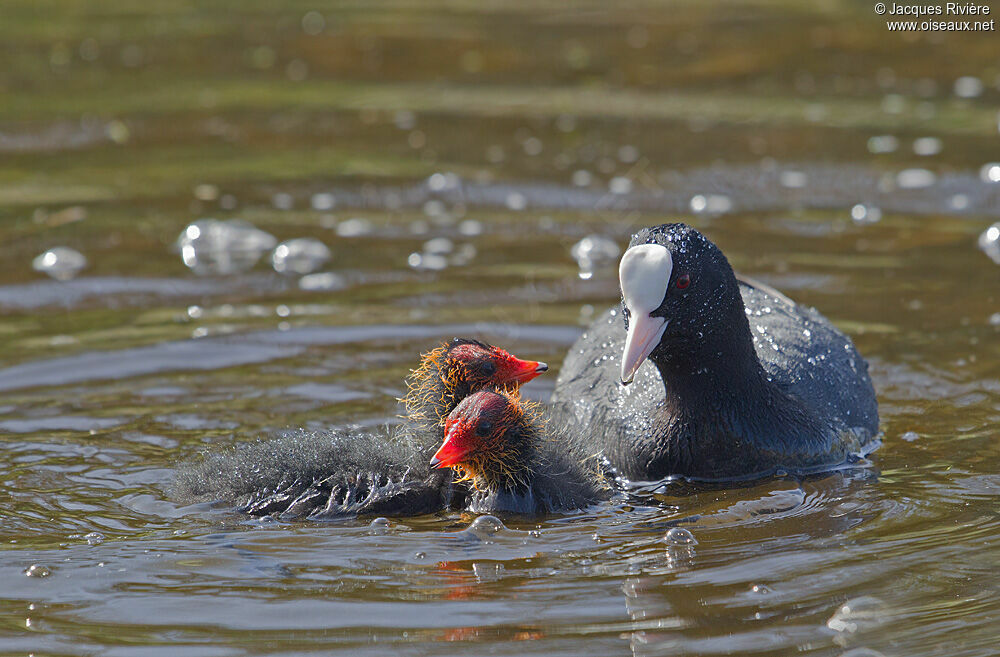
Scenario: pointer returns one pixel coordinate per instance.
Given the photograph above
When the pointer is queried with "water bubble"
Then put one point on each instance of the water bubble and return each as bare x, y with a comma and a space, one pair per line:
927, 146
416, 139
379, 526
313, 23
297, 70
865, 214
959, 202
320, 282
37, 570
679, 536
593, 251
989, 242
862, 652
404, 119
582, 178
968, 87
94, 538
532, 146
443, 182
793, 179
117, 131
488, 572
620, 185
893, 104
435, 208
816, 112
263, 57
710, 204
995, 319
566, 123
915, 178
628, 154
283, 201
486, 526
354, 227
463, 255
858, 614
470, 228
882, 144
61, 263
90, 50
299, 256
210, 246
322, 202
206, 192
990, 172
910, 436
439, 245
516, 201
427, 261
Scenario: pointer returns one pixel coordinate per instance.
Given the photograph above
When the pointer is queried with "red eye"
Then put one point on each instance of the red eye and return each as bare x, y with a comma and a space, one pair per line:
683, 281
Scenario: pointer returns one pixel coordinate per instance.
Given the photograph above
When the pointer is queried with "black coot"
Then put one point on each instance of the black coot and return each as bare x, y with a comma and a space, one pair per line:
742, 381
516, 460
381, 471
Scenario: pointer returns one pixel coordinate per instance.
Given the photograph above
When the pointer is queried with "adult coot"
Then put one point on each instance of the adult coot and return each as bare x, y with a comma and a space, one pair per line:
742, 382
516, 462
382, 471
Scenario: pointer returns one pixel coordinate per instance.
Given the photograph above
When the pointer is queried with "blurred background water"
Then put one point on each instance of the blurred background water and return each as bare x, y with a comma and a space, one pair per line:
222, 220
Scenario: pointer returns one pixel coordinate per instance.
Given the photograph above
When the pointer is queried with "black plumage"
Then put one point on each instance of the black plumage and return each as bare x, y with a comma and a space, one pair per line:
742, 383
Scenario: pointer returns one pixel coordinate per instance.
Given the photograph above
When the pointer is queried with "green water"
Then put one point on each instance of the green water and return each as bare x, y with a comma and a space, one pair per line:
121, 123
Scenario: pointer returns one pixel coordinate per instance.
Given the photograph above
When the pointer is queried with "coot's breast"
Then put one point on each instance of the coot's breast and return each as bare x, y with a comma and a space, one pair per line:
798, 348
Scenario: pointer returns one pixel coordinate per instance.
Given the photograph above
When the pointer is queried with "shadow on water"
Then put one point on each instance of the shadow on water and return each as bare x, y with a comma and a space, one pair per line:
475, 170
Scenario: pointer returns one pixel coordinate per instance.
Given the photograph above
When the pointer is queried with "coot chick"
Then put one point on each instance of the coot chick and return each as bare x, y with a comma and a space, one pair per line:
515, 461
743, 381
354, 471
450, 373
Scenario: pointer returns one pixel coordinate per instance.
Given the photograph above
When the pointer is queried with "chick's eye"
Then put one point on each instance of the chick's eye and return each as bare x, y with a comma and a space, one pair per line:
484, 428
488, 368
683, 281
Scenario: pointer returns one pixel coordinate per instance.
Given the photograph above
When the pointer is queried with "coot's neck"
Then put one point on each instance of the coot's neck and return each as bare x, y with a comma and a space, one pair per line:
721, 410
718, 373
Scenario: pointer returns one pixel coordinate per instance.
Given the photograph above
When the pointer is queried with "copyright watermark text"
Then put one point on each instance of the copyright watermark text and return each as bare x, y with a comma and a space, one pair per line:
944, 17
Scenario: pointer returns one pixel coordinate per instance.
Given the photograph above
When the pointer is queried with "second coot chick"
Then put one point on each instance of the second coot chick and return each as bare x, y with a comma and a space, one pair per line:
515, 462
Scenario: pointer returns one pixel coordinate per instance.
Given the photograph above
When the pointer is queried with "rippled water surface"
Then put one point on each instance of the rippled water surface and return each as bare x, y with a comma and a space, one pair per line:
450, 156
